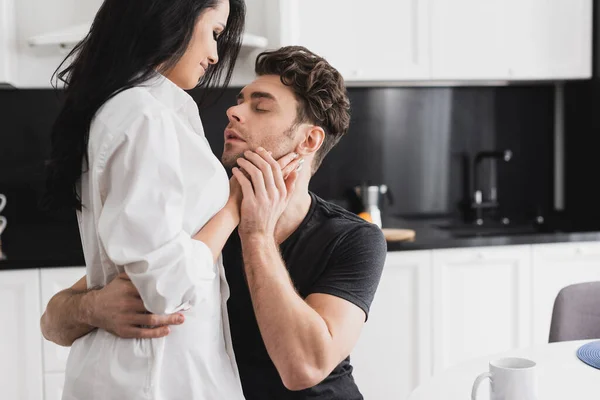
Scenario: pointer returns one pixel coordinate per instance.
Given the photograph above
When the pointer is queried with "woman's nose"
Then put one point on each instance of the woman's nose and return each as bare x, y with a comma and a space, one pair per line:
213, 58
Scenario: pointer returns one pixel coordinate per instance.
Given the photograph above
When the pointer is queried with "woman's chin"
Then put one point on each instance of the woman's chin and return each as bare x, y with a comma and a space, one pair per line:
189, 85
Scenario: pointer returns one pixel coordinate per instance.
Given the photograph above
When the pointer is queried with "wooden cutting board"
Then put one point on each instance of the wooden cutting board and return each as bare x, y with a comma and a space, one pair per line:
399, 235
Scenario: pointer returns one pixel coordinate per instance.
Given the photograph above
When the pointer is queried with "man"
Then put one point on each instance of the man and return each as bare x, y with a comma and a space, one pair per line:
302, 272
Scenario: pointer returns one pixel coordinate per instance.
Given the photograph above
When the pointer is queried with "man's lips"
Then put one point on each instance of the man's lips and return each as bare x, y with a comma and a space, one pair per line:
232, 136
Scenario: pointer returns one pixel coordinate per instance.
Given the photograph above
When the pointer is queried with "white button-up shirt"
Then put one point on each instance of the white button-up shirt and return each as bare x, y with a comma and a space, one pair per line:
152, 183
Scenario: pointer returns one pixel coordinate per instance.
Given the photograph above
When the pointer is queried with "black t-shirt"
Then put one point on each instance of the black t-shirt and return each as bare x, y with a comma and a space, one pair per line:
332, 252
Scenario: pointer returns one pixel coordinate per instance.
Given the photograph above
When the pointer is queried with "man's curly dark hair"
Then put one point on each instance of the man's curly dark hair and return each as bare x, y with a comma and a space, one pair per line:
319, 89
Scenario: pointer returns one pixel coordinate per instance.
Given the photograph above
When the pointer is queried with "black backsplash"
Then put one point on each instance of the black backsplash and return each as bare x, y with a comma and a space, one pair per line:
412, 139
582, 121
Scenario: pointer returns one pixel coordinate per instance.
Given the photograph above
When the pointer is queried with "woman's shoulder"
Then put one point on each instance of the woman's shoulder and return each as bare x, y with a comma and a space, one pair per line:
128, 106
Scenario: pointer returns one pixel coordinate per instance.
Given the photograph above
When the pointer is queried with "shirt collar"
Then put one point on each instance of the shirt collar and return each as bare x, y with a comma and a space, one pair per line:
167, 92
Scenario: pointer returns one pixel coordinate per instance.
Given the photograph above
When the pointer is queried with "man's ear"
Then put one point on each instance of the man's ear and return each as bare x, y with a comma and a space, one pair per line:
313, 140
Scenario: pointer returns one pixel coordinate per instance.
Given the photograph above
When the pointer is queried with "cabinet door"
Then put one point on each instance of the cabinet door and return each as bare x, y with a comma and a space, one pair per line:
468, 39
7, 41
481, 302
393, 353
37, 17
20, 338
379, 41
554, 267
550, 39
53, 280
53, 386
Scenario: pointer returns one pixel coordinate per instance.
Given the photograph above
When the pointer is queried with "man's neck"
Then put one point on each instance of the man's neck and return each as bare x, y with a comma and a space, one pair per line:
296, 210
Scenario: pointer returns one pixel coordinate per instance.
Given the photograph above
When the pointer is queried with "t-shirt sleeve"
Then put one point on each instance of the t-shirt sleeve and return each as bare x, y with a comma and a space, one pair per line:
355, 266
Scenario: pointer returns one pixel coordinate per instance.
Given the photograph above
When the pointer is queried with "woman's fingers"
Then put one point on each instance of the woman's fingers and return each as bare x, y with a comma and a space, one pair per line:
287, 159
260, 161
245, 184
277, 174
295, 165
290, 183
256, 177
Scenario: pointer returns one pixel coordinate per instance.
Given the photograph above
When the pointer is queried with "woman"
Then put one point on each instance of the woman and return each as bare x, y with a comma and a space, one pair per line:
129, 153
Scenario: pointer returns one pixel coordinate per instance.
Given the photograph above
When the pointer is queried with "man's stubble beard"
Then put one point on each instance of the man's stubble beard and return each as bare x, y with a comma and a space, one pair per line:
230, 160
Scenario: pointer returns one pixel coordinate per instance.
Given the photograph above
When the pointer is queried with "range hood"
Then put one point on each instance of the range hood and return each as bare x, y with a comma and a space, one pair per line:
69, 37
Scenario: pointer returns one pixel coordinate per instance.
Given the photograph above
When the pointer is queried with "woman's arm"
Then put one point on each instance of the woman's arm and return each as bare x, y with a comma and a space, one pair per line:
216, 232
141, 224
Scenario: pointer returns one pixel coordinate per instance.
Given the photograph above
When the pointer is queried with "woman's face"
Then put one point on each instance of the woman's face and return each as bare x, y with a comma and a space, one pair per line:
202, 50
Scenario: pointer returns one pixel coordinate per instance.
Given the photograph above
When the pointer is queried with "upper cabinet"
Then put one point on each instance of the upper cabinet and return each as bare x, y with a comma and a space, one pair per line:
375, 42
468, 40
7, 42
550, 39
511, 39
378, 40
442, 40
36, 64
47, 29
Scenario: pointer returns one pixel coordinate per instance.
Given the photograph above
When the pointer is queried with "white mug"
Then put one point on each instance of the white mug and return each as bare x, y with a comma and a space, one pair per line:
510, 379
2, 202
3, 223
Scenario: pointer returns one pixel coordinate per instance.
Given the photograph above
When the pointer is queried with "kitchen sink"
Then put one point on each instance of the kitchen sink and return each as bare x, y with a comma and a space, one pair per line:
466, 230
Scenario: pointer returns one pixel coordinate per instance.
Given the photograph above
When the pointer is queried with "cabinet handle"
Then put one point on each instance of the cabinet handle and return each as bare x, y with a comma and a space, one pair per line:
415, 32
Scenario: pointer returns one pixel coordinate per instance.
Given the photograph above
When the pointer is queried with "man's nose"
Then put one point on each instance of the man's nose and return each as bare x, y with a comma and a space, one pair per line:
234, 113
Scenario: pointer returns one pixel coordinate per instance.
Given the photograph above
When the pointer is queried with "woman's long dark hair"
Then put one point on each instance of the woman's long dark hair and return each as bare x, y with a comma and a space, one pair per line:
127, 44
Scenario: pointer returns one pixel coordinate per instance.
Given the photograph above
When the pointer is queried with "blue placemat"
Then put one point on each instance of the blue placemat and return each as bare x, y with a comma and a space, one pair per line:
589, 353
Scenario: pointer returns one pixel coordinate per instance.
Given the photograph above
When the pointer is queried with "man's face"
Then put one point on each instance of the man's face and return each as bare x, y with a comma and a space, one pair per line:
265, 115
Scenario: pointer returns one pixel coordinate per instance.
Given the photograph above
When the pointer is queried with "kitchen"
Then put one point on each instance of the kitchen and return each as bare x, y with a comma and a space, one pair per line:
434, 85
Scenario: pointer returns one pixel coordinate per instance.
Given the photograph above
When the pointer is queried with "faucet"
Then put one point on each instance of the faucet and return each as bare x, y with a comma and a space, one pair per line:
479, 203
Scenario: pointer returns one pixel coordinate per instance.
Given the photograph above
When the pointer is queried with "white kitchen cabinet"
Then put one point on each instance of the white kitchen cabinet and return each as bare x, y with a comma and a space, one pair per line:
53, 386
554, 267
550, 39
511, 40
38, 20
37, 17
7, 42
53, 280
468, 40
379, 41
20, 338
481, 302
393, 353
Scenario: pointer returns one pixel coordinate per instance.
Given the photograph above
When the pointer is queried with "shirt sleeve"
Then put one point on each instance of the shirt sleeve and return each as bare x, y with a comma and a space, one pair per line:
355, 266
141, 222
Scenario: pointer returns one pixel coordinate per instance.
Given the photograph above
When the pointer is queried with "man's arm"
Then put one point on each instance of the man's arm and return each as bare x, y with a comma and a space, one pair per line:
116, 308
305, 339
62, 321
